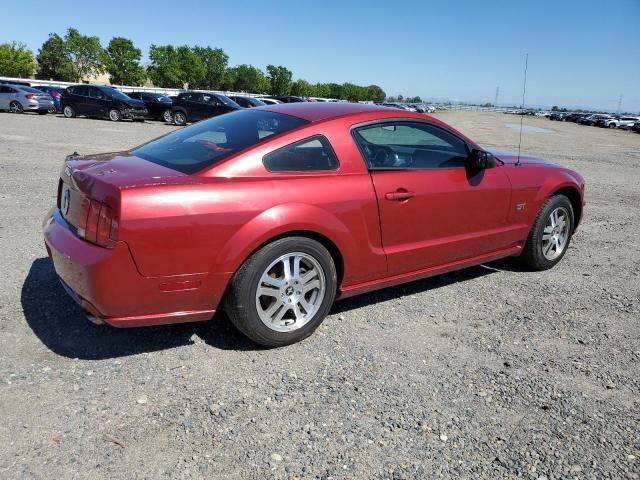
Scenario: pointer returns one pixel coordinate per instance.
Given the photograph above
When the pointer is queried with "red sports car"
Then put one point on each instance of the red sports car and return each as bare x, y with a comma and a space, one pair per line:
274, 212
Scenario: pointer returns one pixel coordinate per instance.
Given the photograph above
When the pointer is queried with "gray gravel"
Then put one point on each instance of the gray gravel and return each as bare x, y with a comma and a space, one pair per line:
491, 372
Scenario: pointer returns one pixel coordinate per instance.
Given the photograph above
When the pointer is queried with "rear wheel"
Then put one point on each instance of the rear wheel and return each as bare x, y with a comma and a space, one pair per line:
283, 292
612, 125
68, 112
180, 118
167, 116
16, 107
115, 115
551, 234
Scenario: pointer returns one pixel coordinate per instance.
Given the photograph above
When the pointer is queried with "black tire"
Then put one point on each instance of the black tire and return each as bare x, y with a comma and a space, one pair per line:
115, 115
532, 254
68, 111
240, 299
179, 118
167, 116
16, 107
612, 125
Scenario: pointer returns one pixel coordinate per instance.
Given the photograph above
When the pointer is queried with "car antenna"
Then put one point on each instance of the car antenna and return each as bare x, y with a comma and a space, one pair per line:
524, 90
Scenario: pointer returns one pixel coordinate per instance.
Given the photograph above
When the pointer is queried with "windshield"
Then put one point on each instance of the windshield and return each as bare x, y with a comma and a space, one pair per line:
116, 93
227, 101
206, 143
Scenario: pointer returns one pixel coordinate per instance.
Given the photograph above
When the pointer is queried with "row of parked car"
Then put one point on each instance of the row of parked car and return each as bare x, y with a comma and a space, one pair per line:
599, 119
109, 102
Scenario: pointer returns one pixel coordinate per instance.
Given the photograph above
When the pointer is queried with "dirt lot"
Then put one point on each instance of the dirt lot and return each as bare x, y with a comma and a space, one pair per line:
491, 372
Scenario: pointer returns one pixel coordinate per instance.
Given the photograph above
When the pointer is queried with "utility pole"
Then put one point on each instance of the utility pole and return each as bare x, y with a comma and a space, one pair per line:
495, 102
619, 104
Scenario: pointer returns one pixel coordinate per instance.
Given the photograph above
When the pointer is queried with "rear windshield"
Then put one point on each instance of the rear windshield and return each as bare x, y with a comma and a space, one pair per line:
206, 143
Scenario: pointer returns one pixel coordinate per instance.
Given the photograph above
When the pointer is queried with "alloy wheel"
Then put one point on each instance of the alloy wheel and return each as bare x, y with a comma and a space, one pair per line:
556, 233
290, 292
15, 107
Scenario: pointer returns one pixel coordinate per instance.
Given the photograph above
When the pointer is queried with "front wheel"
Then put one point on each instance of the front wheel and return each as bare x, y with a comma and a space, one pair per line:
283, 292
16, 107
550, 235
115, 115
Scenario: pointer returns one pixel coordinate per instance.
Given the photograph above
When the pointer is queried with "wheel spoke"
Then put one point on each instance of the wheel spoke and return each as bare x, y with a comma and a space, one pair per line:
296, 311
286, 264
269, 292
546, 237
310, 275
311, 286
269, 280
547, 248
296, 266
306, 306
278, 316
272, 309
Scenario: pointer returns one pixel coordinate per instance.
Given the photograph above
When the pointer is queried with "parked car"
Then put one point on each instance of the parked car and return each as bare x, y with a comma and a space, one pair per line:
157, 104
15, 82
587, 119
269, 101
234, 211
287, 98
560, 116
16, 98
574, 117
55, 92
101, 102
196, 106
618, 122
247, 102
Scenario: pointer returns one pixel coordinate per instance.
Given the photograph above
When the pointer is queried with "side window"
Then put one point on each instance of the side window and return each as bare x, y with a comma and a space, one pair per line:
410, 145
310, 155
3, 89
95, 93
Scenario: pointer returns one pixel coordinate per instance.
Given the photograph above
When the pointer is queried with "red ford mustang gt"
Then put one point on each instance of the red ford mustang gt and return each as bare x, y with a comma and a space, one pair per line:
274, 212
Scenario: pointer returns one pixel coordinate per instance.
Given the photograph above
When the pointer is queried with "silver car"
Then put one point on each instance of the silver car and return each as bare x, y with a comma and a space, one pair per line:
18, 99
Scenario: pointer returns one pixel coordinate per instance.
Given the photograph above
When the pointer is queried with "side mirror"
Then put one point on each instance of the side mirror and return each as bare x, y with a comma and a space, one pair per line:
479, 160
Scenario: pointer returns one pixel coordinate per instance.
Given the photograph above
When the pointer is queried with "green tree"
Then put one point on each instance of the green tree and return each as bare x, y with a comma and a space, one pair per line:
215, 62
193, 70
85, 54
335, 91
122, 62
16, 60
165, 70
302, 88
376, 93
322, 90
53, 60
279, 79
555, 108
247, 78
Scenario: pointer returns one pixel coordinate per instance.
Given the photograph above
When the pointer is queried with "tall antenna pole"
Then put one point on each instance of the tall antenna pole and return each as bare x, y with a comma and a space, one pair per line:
495, 103
619, 103
524, 90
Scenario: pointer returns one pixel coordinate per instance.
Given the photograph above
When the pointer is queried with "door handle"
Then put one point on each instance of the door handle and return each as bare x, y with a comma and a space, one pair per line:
399, 195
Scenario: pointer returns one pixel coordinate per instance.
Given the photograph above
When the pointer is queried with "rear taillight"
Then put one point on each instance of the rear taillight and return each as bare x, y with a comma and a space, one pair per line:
99, 226
29, 96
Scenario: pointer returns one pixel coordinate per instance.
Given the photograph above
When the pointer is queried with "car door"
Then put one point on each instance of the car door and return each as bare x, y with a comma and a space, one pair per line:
5, 96
96, 103
80, 101
196, 108
433, 211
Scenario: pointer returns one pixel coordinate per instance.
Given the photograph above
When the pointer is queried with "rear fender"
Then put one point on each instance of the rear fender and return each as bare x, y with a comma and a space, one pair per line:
278, 221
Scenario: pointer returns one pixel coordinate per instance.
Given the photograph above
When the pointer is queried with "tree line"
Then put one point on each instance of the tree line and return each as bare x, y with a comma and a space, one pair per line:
75, 56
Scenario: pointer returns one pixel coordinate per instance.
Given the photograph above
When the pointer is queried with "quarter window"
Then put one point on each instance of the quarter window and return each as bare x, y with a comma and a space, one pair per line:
311, 155
410, 145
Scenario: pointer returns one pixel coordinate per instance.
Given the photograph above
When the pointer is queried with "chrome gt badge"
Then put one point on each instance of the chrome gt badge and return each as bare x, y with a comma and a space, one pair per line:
66, 200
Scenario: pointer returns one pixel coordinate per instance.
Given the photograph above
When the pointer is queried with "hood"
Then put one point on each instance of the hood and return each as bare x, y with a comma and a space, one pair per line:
510, 158
132, 102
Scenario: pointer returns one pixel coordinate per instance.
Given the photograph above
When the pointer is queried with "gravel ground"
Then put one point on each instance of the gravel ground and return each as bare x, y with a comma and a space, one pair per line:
491, 372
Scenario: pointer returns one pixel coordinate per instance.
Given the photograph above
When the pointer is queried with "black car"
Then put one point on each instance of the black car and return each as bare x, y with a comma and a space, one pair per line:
247, 102
574, 117
100, 101
560, 116
158, 105
196, 106
287, 98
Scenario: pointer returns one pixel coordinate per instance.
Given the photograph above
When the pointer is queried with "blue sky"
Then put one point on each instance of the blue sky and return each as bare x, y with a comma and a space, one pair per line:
581, 53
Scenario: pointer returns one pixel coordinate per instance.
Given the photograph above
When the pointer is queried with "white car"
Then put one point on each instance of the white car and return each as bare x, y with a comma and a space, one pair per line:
620, 122
269, 101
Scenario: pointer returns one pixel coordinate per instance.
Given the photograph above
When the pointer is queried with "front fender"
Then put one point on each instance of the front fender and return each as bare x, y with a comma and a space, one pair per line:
277, 221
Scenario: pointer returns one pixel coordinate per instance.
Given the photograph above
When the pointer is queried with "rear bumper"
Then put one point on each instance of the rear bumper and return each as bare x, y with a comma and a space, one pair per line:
106, 283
